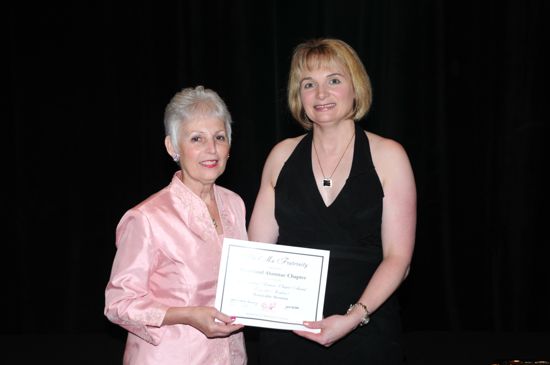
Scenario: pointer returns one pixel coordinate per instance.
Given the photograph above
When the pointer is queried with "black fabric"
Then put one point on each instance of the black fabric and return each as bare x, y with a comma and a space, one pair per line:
462, 85
350, 229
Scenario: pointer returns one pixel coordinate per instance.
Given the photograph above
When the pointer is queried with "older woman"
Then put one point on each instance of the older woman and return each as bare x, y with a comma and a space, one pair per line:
163, 280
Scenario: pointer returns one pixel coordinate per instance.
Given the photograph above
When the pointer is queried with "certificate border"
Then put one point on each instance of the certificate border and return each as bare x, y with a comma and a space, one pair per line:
323, 255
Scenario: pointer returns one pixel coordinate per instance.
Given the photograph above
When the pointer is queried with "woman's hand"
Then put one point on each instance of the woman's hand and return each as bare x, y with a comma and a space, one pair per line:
333, 328
208, 320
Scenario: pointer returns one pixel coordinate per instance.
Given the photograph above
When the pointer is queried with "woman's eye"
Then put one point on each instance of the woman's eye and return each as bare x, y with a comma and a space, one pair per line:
335, 81
307, 85
195, 139
220, 138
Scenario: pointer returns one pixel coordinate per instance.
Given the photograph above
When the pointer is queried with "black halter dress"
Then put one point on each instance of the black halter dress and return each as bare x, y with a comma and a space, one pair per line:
351, 229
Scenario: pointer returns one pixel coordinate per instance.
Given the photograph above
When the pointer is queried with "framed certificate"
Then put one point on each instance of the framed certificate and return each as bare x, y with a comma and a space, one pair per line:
270, 285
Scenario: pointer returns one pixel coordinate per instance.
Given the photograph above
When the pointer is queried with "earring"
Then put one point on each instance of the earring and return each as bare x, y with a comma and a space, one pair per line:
228, 155
176, 157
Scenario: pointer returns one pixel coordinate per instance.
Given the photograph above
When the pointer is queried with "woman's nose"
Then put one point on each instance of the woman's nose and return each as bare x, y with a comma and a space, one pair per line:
211, 145
321, 92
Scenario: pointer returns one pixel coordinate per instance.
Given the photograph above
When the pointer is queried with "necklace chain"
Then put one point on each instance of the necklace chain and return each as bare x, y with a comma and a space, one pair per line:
327, 181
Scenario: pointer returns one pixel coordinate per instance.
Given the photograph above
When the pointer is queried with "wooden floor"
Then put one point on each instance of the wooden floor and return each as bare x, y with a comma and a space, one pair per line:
422, 348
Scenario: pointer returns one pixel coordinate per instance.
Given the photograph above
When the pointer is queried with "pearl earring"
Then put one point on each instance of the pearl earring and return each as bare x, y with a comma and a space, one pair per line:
176, 157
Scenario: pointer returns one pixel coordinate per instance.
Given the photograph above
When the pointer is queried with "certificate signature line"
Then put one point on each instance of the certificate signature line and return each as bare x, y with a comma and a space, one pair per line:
269, 321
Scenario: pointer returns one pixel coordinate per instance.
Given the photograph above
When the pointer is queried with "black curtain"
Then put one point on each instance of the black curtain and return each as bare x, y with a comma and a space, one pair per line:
462, 85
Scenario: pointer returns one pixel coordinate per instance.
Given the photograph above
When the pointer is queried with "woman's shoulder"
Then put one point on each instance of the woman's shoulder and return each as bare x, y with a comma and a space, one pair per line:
228, 193
231, 201
288, 145
153, 201
283, 149
278, 156
389, 158
383, 147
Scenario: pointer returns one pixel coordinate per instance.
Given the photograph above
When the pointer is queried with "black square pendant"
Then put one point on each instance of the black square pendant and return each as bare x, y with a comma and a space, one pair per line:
327, 182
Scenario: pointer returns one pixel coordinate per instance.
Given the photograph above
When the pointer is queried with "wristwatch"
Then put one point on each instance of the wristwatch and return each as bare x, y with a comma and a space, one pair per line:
366, 317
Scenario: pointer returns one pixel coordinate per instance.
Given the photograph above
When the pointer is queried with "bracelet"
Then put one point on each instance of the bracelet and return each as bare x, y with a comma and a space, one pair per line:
366, 317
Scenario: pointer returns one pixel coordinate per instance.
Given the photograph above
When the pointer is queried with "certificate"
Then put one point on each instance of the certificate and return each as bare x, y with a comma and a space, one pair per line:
270, 285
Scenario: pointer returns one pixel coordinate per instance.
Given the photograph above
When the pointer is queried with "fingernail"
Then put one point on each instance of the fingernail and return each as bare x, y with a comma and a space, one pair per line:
233, 318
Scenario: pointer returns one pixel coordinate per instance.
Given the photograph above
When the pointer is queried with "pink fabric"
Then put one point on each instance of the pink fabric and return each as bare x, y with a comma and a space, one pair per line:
168, 254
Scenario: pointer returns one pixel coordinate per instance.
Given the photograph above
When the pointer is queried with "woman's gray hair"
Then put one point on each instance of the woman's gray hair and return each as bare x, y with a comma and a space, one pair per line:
192, 102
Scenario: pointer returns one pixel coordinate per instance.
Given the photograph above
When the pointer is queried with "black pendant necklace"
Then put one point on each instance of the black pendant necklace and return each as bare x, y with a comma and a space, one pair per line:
327, 181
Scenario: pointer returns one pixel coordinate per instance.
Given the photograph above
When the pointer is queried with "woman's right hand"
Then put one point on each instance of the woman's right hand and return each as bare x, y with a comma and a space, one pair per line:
208, 320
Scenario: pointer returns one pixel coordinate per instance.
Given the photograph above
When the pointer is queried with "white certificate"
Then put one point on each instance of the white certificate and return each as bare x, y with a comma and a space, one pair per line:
270, 285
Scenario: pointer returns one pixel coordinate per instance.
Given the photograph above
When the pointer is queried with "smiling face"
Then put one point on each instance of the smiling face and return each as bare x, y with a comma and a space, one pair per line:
203, 149
327, 94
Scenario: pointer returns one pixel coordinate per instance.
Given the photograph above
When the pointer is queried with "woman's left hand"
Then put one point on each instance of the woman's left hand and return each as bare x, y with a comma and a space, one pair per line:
332, 329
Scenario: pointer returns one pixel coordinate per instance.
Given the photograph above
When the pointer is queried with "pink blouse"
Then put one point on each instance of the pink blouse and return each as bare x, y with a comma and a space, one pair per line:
168, 254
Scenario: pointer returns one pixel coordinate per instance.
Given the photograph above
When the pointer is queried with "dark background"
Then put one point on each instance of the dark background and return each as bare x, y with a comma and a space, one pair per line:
461, 84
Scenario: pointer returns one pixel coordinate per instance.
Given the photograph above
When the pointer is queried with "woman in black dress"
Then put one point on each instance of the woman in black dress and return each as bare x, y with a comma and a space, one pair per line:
343, 189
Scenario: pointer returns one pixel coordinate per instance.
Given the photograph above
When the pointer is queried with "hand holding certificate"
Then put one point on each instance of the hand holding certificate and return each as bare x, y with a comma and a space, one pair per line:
269, 285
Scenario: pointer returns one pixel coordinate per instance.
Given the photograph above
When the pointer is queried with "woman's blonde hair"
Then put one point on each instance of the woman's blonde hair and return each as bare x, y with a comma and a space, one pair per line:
322, 52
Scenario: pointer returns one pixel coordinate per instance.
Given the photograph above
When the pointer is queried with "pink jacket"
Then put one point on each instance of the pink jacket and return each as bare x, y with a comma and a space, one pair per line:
168, 254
